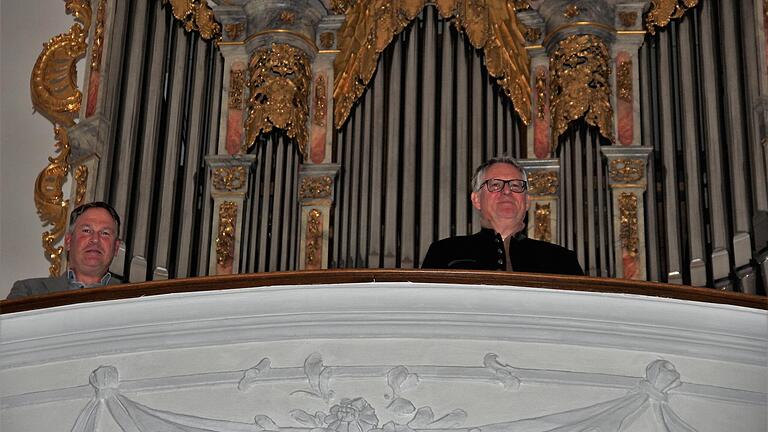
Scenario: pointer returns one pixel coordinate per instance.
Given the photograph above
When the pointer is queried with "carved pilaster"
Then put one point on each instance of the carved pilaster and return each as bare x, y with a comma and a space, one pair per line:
316, 195
627, 168
543, 192
229, 186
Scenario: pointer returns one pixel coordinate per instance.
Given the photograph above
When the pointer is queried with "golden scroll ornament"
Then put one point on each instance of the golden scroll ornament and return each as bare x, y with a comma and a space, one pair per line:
321, 100
541, 93
315, 187
81, 182
662, 12
98, 36
314, 237
580, 74
628, 222
626, 170
229, 178
196, 16
236, 88
279, 88
541, 230
225, 240
370, 27
543, 183
624, 80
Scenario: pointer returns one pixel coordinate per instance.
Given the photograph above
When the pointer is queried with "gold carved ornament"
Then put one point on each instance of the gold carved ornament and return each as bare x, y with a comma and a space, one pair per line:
98, 36
543, 183
315, 187
541, 230
662, 12
628, 18
279, 88
196, 16
624, 80
321, 100
628, 222
54, 93
314, 238
234, 30
225, 240
580, 84
541, 94
81, 180
236, 87
490, 25
626, 170
229, 178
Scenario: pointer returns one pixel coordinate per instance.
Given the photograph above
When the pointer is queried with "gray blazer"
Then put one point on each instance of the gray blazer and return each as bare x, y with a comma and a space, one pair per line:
39, 286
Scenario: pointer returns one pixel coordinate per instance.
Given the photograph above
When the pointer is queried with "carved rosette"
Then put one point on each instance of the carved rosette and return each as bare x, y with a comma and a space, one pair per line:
196, 16
315, 187
541, 183
314, 240
370, 26
229, 178
542, 222
279, 88
580, 74
225, 240
662, 12
626, 171
321, 100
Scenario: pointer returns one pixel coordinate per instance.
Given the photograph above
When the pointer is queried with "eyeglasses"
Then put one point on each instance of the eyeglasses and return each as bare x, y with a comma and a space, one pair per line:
497, 185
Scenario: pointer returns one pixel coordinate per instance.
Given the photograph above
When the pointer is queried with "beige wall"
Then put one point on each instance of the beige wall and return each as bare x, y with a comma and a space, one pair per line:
26, 138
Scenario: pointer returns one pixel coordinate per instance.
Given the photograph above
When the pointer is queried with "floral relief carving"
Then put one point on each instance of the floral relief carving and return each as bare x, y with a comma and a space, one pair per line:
321, 100
626, 170
229, 178
314, 239
624, 80
225, 240
543, 182
327, 39
233, 31
98, 37
662, 12
315, 187
196, 16
532, 34
236, 88
628, 222
279, 88
81, 180
542, 222
580, 84
541, 93
628, 19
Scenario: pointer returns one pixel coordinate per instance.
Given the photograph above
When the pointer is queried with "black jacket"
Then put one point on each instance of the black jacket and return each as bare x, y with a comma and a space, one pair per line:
485, 251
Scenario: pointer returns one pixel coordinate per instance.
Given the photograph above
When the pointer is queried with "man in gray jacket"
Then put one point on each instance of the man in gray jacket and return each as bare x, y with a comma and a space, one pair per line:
91, 243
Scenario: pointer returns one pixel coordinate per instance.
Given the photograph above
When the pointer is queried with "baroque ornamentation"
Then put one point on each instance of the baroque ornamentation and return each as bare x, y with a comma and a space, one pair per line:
287, 17
225, 240
229, 178
314, 238
321, 100
580, 84
541, 93
662, 12
624, 80
236, 87
315, 187
196, 16
626, 170
571, 11
628, 19
532, 34
233, 31
628, 222
370, 26
279, 88
341, 6
543, 182
98, 36
49, 200
327, 39
81, 180
541, 230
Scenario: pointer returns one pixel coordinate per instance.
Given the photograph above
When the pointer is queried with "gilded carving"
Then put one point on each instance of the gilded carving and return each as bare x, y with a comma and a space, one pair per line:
81, 180
628, 19
321, 100
225, 240
229, 178
543, 182
315, 187
279, 88
287, 17
541, 230
626, 170
489, 25
521, 5
532, 34
327, 39
98, 36
628, 222
236, 87
233, 31
314, 238
662, 12
571, 11
541, 93
49, 200
624, 80
580, 84
196, 16
54, 77
341, 6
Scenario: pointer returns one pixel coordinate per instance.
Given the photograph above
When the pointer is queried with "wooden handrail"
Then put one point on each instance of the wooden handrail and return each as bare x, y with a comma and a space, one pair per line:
315, 277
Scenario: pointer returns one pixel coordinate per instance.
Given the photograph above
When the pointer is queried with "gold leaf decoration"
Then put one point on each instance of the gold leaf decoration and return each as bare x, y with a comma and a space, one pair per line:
580, 84
229, 178
279, 87
628, 19
662, 12
314, 239
196, 16
541, 230
315, 187
626, 170
49, 200
624, 80
98, 36
81, 180
236, 88
543, 182
628, 222
490, 25
321, 101
225, 240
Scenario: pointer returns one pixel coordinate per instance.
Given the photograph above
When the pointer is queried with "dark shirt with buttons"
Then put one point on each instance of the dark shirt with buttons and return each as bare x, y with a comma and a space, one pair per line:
486, 250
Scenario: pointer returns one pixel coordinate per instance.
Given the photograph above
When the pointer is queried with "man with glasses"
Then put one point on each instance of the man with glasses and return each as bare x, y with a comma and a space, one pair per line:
500, 194
91, 243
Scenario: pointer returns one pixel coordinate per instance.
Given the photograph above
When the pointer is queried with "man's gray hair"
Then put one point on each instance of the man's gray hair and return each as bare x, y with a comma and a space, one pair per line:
477, 178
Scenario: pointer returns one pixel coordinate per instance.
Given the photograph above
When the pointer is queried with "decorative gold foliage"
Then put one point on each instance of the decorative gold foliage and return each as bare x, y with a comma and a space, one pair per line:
98, 36
314, 239
236, 88
628, 222
81, 180
624, 80
580, 84
229, 178
234, 30
541, 230
279, 85
315, 187
196, 16
628, 19
626, 170
543, 182
321, 100
225, 241
662, 12
490, 25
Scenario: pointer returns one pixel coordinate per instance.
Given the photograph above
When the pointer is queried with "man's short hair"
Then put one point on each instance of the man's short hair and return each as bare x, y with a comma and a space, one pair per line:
79, 210
477, 178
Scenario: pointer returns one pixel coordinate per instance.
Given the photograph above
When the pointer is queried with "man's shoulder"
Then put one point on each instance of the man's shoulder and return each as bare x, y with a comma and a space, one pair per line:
37, 286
